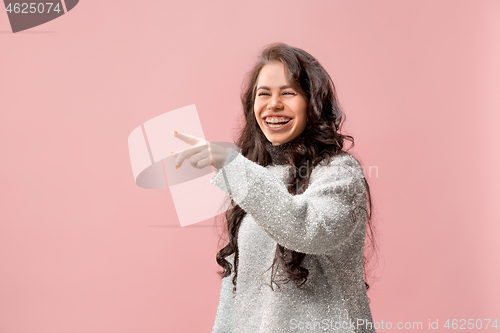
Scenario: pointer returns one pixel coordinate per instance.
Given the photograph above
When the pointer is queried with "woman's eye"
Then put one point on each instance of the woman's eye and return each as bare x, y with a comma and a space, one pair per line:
285, 93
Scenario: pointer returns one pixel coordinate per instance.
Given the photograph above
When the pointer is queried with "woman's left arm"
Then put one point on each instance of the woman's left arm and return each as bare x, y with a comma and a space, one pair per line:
314, 222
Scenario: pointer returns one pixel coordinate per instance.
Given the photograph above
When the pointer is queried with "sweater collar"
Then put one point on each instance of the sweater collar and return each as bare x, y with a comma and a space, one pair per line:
279, 153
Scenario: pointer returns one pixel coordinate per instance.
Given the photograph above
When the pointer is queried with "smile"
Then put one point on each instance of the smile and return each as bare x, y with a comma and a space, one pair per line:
277, 123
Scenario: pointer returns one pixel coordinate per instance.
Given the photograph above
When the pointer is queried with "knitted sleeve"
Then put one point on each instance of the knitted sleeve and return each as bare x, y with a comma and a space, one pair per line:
314, 222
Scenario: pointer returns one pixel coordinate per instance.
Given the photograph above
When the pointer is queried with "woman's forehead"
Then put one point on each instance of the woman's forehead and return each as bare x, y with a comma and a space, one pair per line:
273, 73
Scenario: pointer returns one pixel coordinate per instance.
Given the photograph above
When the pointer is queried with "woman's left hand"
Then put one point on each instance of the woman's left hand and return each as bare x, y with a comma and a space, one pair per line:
198, 152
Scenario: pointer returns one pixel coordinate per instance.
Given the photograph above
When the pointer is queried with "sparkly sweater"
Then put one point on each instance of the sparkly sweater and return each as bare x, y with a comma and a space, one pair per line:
325, 222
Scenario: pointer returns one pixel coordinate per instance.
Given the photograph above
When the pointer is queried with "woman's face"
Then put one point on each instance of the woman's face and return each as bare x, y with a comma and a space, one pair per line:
275, 102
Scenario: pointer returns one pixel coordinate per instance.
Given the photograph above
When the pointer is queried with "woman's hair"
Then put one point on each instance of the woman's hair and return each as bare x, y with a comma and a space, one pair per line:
320, 140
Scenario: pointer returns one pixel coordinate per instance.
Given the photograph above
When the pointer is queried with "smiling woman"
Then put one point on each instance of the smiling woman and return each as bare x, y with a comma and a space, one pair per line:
299, 206
280, 109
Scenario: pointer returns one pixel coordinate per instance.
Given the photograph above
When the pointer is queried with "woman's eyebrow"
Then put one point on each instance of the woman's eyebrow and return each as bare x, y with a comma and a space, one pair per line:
267, 88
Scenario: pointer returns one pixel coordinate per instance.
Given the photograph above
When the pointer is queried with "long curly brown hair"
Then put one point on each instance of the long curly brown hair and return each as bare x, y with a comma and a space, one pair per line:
320, 140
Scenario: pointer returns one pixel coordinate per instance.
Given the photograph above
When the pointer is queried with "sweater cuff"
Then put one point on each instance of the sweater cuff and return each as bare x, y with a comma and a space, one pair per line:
232, 154
223, 176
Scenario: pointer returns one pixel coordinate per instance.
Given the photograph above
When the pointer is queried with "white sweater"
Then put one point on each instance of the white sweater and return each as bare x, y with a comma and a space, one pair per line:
315, 222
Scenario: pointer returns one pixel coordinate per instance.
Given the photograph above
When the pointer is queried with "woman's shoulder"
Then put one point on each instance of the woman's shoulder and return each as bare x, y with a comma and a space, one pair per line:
341, 163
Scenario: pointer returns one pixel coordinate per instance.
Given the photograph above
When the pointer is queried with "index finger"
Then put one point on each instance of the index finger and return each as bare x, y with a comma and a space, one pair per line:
192, 140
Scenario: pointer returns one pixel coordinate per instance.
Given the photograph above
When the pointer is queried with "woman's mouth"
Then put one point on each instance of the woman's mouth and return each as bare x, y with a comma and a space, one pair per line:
277, 123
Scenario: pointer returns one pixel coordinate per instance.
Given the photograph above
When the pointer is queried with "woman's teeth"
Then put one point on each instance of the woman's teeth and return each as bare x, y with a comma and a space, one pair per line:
275, 126
274, 122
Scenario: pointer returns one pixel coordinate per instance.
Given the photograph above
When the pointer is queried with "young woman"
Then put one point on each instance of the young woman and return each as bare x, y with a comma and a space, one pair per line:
294, 258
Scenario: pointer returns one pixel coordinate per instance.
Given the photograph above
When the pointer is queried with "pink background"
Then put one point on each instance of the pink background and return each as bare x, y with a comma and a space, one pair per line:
83, 249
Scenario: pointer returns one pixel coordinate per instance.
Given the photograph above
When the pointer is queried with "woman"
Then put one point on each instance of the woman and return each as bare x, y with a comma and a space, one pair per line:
294, 260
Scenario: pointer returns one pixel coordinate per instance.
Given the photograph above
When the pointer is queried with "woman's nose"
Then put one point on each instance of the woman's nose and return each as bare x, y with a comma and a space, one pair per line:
275, 103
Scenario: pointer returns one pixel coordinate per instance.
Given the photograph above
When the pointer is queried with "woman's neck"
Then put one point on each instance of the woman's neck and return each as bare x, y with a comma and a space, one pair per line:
279, 153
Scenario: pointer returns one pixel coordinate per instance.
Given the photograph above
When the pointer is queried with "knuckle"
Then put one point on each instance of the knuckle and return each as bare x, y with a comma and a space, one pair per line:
193, 162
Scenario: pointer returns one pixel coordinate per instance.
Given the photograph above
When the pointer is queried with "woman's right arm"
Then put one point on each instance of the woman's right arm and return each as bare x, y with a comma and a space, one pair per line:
225, 311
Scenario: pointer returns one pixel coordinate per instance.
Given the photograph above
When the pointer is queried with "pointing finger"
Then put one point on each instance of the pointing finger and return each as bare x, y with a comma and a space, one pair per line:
192, 140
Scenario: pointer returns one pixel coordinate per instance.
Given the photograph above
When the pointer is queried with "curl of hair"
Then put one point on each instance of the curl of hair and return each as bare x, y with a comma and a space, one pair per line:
321, 140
